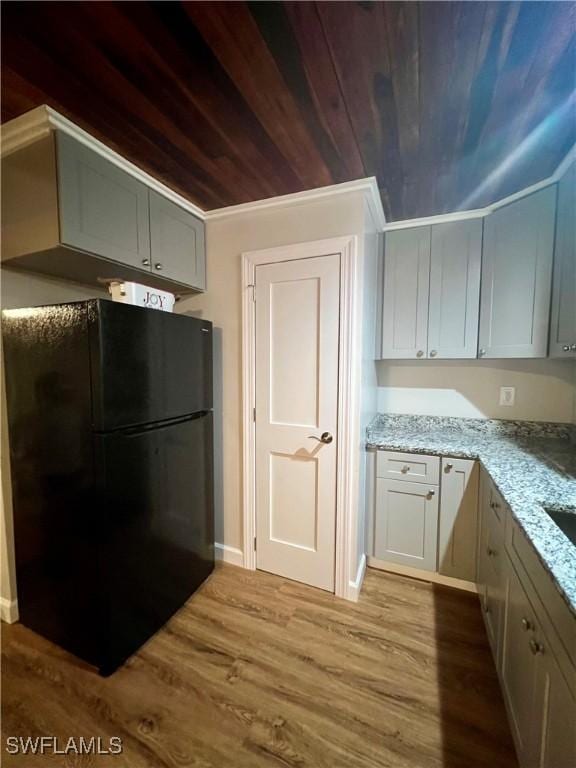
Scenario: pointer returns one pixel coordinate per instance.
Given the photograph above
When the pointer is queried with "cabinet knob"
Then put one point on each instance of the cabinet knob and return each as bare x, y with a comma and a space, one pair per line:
449, 466
566, 348
527, 625
145, 262
419, 353
405, 469
572, 347
431, 493
491, 552
158, 266
433, 353
481, 352
536, 648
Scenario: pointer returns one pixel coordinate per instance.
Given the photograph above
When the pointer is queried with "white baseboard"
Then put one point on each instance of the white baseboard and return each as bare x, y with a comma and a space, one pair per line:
228, 554
355, 587
8, 610
417, 573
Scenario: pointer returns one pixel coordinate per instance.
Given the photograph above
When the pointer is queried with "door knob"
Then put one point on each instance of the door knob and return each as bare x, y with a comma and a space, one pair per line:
325, 437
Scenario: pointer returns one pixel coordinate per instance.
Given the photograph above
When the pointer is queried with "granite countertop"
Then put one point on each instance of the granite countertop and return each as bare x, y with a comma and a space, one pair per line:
532, 464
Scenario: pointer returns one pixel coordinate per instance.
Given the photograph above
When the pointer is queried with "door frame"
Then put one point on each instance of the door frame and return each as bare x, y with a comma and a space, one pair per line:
348, 383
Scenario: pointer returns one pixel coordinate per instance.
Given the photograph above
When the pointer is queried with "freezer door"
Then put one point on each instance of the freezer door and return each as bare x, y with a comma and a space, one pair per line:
147, 365
158, 547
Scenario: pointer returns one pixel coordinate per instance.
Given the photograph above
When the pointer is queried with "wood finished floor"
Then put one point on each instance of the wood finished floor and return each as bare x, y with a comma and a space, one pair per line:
257, 671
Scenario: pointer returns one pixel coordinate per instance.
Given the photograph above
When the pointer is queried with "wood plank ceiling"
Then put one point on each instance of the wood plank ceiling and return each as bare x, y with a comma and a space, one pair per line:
451, 105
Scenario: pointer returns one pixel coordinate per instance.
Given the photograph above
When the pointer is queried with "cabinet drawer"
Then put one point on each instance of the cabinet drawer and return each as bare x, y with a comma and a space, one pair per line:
412, 467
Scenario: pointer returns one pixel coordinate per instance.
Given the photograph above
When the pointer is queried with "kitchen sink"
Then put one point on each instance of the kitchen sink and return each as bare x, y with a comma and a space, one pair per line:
566, 521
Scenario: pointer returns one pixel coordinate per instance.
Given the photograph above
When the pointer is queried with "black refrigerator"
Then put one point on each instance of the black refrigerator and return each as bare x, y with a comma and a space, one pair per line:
111, 446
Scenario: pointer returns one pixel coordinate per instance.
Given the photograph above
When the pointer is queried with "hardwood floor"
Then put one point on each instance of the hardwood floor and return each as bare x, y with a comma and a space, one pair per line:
259, 671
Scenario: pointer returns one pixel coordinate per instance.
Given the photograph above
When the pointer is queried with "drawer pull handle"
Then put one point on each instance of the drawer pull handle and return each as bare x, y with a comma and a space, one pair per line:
405, 469
527, 625
536, 648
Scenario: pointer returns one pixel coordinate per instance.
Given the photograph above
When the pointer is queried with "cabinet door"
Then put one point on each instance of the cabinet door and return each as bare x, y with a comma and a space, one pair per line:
458, 519
103, 210
554, 726
563, 315
455, 289
405, 294
516, 277
177, 242
406, 523
519, 665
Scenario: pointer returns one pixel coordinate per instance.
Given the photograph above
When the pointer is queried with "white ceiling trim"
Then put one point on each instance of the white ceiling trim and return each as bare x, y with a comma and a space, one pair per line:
479, 213
368, 186
40, 121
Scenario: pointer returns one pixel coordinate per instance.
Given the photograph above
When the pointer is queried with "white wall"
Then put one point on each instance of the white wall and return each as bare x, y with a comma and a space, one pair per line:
227, 239
20, 289
369, 380
471, 388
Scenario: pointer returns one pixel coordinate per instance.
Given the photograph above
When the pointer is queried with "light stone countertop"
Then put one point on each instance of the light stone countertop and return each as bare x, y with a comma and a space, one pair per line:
532, 464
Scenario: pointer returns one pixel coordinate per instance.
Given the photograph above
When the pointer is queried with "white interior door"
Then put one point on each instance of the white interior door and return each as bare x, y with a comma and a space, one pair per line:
297, 330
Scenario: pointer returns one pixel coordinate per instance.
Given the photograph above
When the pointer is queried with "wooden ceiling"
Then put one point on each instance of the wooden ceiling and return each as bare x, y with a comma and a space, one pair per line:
450, 105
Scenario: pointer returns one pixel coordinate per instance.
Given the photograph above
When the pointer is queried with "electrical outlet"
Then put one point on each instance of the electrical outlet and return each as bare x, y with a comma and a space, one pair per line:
507, 395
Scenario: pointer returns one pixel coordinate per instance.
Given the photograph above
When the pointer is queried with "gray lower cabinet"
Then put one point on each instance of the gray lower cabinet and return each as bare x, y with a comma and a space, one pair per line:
490, 561
457, 541
563, 314
516, 277
539, 690
177, 242
531, 631
519, 664
555, 713
103, 210
406, 523
405, 293
455, 264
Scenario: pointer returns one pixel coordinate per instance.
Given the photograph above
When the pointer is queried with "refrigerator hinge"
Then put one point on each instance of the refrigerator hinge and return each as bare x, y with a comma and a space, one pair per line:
254, 543
254, 413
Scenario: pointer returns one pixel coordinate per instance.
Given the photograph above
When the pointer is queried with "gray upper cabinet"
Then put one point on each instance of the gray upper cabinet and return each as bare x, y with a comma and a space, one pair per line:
516, 277
70, 213
431, 291
405, 294
455, 289
177, 239
563, 315
103, 209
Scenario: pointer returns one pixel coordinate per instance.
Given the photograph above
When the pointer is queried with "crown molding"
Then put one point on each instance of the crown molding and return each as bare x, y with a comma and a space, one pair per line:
41, 121
368, 186
479, 213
